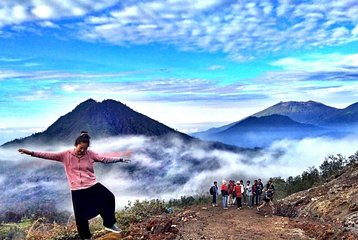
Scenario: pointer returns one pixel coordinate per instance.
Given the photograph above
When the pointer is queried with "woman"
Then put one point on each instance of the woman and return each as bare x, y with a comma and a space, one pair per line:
89, 197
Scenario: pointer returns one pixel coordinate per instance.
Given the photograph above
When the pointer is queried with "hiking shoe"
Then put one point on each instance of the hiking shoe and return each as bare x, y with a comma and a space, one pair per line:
114, 229
225, 208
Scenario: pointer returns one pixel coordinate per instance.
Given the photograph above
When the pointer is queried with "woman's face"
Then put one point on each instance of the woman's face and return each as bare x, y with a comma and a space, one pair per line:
81, 148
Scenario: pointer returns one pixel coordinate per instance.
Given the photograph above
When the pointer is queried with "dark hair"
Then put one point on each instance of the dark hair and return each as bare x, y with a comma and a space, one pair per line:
83, 138
215, 182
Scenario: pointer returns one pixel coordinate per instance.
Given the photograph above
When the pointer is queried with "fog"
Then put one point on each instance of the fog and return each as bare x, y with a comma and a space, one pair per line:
160, 168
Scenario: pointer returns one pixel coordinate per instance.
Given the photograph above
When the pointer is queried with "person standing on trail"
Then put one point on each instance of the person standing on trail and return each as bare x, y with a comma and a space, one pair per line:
230, 190
249, 194
214, 191
89, 197
238, 194
255, 199
260, 188
243, 197
225, 194
270, 191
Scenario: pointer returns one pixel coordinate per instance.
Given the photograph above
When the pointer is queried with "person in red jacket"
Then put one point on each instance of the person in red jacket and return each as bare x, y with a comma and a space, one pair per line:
89, 197
238, 194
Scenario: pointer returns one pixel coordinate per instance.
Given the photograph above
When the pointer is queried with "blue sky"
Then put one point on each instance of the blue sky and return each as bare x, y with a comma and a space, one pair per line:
189, 64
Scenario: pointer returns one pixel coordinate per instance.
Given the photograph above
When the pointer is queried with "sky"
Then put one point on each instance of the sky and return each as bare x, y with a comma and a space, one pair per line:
188, 64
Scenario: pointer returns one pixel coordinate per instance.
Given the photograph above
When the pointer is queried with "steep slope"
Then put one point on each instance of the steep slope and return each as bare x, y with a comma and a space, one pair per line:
329, 211
101, 119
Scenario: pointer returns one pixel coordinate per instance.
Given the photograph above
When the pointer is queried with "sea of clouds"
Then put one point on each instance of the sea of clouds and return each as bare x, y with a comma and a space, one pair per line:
161, 168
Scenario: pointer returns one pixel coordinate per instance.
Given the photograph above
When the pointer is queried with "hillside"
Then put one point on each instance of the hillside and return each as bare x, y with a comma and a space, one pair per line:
328, 211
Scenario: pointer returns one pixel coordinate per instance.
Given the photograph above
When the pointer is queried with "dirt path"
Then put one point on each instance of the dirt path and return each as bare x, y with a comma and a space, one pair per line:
216, 223
213, 223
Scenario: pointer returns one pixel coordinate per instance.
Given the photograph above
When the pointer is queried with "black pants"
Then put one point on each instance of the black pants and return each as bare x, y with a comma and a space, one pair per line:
238, 202
88, 203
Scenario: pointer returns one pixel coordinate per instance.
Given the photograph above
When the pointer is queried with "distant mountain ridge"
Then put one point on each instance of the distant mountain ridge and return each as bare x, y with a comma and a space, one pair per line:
286, 120
101, 119
313, 113
261, 131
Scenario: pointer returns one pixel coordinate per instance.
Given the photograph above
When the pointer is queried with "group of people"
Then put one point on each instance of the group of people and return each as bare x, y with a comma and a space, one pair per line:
240, 193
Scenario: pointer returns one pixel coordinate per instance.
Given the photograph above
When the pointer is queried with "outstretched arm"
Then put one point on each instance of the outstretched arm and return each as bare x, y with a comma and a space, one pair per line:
44, 155
112, 157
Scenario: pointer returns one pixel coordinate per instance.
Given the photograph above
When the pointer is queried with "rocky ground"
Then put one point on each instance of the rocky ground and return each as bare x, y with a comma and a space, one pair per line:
329, 211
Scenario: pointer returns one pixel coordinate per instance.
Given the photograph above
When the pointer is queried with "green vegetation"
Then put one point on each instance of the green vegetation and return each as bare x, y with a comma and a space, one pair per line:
332, 166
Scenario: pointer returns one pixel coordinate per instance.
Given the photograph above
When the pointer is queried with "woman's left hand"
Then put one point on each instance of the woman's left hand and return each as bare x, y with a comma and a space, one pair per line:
127, 153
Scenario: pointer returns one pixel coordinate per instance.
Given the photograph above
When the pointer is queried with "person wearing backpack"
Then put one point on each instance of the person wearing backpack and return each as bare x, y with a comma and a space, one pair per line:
268, 198
214, 191
238, 194
249, 194
225, 194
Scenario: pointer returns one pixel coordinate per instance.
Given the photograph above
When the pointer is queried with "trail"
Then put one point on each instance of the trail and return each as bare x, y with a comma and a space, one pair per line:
215, 223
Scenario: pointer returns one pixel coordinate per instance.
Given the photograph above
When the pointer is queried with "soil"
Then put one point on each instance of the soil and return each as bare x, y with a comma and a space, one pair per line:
207, 222
216, 223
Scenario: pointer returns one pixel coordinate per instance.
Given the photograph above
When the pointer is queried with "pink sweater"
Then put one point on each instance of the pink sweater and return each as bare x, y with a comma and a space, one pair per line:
79, 170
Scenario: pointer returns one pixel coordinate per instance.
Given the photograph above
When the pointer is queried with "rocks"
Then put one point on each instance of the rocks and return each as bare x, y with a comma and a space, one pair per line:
353, 207
331, 206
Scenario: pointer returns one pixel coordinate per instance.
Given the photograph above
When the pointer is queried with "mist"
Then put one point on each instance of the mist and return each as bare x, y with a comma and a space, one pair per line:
159, 168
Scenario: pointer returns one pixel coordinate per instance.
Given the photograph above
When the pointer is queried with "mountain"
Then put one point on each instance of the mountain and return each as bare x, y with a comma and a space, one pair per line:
304, 119
345, 117
305, 112
314, 113
261, 131
100, 119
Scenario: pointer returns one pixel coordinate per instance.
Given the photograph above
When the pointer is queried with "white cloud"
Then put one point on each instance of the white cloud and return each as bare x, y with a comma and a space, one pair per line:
18, 11
215, 67
244, 30
355, 31
48, 24
319, 62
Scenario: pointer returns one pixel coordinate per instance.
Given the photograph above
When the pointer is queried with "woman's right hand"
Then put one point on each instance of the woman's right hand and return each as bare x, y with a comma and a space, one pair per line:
24, 151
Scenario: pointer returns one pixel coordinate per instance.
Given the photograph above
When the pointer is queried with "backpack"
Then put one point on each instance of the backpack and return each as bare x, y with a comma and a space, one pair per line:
269, 194
211, 190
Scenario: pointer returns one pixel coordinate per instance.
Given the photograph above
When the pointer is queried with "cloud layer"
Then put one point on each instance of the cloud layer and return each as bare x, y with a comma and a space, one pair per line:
165, 168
